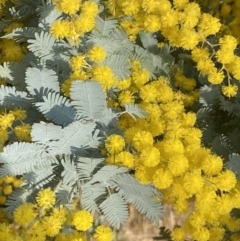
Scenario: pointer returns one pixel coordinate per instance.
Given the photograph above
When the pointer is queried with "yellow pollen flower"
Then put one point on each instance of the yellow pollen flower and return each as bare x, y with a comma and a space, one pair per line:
142, 139
97, 54
125, 158
226, 180
60, 29
150, 156
152, 23
82, 220
216, 77
51, 225
230, 90
46, 198
178, 234
114, 144
6, 120
69, 6
126, 97
130, 7
23, 132
24, 214
103, 233
89, 8
19, 114
77, 62
3, 135
105, 76
162, 179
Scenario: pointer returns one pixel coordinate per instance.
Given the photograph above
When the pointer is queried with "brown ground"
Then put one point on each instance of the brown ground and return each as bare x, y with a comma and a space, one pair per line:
138, 228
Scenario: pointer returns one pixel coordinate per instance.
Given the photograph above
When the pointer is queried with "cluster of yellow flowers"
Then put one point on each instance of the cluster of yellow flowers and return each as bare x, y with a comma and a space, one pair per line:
35, 222
12, 122
11, 51
167, 146
164, 148
80, 21
229, 13
179, 166
176, 163
184, 26
7, 185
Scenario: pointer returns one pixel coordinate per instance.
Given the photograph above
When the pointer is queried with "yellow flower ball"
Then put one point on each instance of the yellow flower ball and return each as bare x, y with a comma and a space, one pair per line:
23, 132
178, 234
150, 156
51, 225
46, 198
125, 158
162, 179
114, 144
24, 214
230, 90
103, 233
97, 54
82, 220
226, 180
142, 139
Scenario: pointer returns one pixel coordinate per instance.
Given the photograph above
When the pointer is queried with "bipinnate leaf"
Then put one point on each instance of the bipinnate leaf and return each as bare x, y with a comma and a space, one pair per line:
57, 108
23, 157
115, 210
69, 173
143, 197
134, 109
106, 172
10, 97
46, 132
88, 98
75, 135
41, 78
91, 196
234, 164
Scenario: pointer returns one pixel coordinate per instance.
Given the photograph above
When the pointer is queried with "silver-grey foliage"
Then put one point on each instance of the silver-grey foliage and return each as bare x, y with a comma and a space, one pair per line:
67, 131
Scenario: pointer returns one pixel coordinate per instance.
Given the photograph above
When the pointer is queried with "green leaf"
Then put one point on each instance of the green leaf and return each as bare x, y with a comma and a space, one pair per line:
115, 210
15, 199
42, 45
22, 34
105, 174
148, 41
221, 146
234, 164
87, 166
75, 135
43, 133
88, 98
65, 194
107, 117
119, 64
209, 95
41, 78
69, 174
92, 194
57, 108
48, 14
105, 27
5, 72
18, 74
39, 177
23, 157
141, 196
11, 98
134, 109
